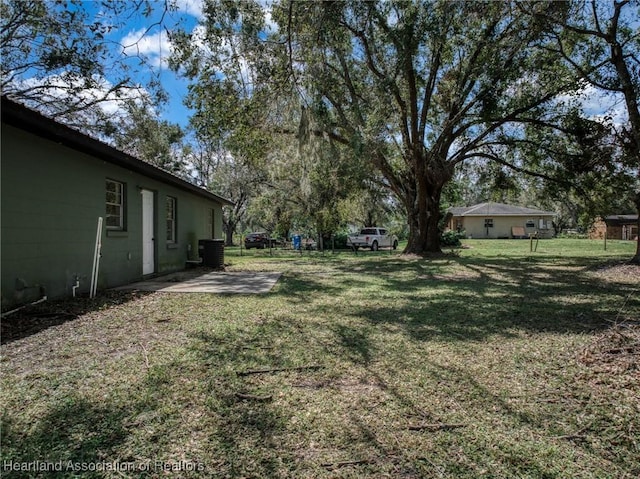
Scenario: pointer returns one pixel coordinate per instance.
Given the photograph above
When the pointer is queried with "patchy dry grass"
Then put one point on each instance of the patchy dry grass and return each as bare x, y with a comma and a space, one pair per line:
493, 362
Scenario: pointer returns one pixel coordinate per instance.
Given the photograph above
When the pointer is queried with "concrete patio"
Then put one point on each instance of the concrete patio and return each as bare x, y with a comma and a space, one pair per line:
208, 282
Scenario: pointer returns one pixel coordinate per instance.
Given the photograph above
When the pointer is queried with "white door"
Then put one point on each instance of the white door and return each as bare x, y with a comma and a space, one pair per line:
148, 240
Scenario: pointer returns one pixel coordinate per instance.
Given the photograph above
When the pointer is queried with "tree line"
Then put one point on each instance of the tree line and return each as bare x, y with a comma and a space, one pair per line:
314, 114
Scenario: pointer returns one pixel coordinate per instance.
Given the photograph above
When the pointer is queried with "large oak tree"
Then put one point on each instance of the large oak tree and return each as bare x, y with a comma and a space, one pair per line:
415, 88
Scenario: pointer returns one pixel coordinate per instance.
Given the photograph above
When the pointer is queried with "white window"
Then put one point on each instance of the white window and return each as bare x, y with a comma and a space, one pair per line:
488, 223
171, 219
114, 205
530, 224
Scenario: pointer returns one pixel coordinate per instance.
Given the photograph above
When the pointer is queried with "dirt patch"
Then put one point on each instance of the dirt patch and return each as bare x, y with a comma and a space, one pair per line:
615, 351
620, 273
35, 318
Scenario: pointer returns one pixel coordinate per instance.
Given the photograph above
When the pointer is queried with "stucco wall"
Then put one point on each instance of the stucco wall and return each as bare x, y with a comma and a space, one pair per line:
52, 197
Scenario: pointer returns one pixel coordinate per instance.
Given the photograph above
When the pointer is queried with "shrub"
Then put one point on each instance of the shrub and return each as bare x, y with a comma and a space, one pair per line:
340, 240
451, 238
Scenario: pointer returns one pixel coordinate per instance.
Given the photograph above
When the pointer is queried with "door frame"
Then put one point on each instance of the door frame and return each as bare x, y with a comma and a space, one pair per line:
148, 226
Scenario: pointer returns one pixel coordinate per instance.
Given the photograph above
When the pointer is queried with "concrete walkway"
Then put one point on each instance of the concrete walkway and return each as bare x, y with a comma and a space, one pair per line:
212, 282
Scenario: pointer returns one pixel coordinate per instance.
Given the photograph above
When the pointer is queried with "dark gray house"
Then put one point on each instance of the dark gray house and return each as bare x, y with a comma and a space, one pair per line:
57, 183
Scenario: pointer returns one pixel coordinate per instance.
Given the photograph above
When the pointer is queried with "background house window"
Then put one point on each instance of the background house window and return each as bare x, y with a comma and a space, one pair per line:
530, 224
171, 219
488, 223
114, 205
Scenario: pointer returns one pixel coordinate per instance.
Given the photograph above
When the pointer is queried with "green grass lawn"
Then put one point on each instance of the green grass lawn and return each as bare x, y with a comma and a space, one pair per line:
491, 362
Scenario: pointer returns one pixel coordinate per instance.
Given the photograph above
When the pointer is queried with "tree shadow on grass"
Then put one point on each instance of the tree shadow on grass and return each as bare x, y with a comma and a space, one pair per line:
482, 434
249, 419
73, 434
500, 297
132, 435
36, 318
298, 287
356, 343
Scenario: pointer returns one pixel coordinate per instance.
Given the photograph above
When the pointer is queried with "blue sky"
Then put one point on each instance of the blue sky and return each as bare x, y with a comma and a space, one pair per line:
146, 36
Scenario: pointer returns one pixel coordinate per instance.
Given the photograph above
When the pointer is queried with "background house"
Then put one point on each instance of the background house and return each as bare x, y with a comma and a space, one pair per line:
622, 227
498, 220
56, 182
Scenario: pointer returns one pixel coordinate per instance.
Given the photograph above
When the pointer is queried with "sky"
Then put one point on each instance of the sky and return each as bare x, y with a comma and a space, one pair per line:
147, 37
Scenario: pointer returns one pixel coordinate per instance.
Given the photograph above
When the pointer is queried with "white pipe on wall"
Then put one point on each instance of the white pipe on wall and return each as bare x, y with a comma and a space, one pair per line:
96, 260
41, 300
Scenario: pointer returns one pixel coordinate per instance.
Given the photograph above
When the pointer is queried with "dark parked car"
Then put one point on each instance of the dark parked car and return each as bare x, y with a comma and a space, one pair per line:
256, 240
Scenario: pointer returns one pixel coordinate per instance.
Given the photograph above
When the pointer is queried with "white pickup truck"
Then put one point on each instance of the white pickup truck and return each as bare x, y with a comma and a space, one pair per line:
373, 238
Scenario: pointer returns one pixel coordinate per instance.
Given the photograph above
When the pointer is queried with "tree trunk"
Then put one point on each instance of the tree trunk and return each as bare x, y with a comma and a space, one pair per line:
631, 101
229, 228
636, 258
423, 213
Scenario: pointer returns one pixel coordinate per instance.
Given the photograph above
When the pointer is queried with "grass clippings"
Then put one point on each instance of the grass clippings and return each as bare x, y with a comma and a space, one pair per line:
276, 370
619, 272
615, 351
509, 364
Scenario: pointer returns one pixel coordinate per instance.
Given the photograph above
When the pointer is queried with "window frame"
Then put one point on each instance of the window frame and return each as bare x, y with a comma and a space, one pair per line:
488, 222
171, 218
119, 204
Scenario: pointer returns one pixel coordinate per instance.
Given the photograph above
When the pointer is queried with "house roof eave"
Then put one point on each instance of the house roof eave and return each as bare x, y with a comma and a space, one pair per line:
24, 118
497, 209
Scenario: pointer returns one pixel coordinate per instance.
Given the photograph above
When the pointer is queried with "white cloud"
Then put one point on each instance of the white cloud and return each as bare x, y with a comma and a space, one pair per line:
55, 93
199, 37
61, 86
598, 105
194, 8
267, 7
155, 47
